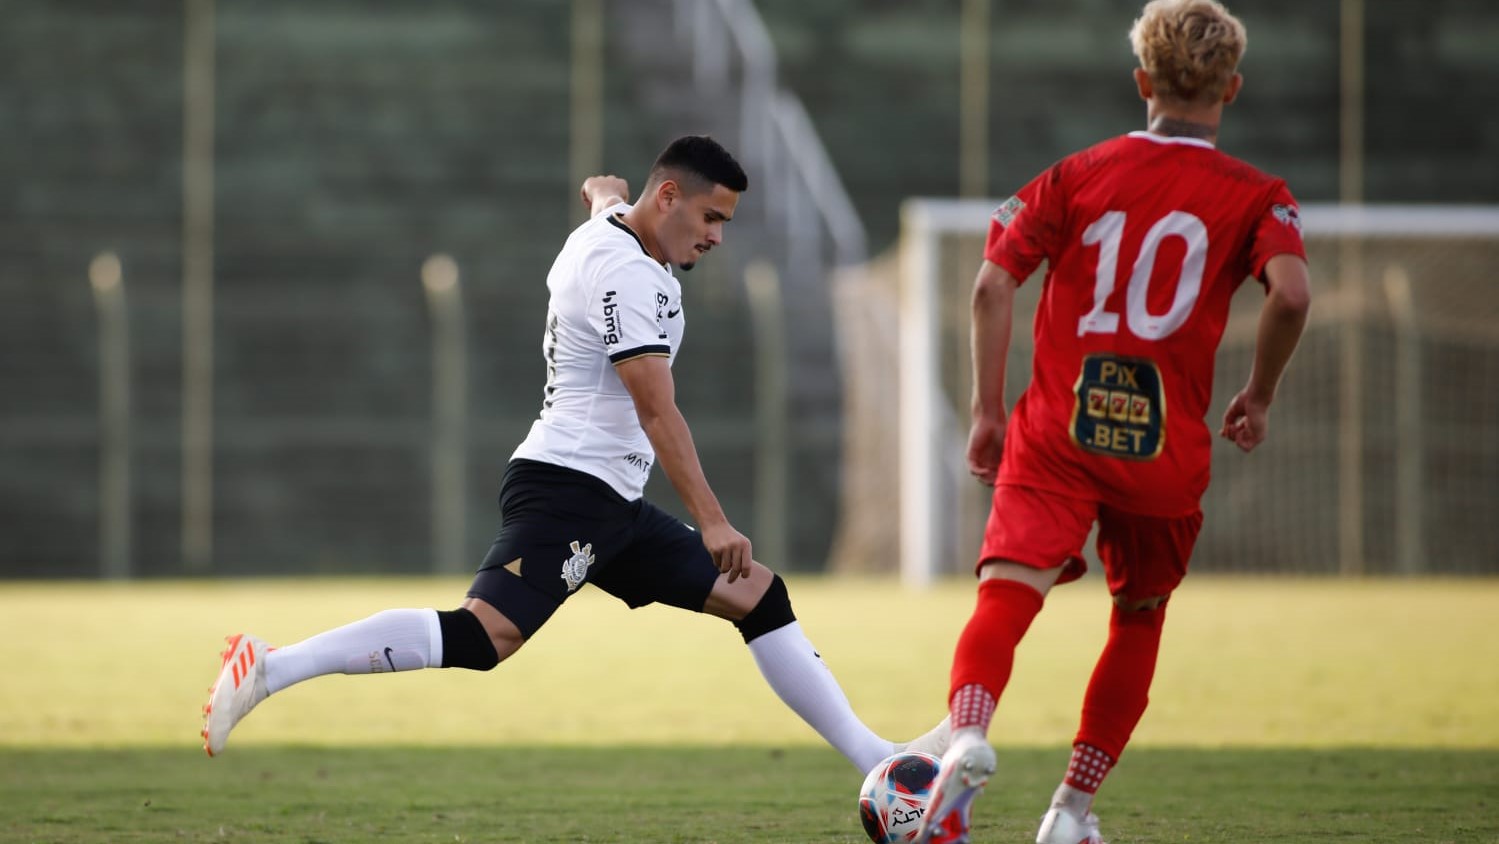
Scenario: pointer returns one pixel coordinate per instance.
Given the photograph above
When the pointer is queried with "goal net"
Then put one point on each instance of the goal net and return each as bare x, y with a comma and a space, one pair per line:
1383, 454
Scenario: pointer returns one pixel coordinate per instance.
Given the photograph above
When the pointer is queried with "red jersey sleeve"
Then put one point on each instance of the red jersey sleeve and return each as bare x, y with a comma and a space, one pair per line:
1278, 232
1027, 229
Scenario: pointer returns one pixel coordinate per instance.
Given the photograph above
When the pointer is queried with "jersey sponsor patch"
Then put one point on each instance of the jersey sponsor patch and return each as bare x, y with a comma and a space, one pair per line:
640, 462
611, 319
1120, 409
1006, 213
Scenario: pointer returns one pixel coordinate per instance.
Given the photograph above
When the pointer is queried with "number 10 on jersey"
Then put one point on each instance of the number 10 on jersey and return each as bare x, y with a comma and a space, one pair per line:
1107, 233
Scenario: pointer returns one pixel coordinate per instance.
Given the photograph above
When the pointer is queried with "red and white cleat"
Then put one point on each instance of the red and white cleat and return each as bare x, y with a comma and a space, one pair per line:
966, 768
1060, 827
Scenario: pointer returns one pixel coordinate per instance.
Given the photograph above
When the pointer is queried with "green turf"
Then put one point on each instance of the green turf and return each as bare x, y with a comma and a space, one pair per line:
1284, 711
530, 794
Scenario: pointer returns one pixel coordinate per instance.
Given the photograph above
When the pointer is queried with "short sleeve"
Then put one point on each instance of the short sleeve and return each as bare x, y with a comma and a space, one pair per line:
1277, 232
627, 308
1027, 229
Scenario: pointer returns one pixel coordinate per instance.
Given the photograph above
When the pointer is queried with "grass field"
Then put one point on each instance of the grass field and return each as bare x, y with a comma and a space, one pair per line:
1284, 711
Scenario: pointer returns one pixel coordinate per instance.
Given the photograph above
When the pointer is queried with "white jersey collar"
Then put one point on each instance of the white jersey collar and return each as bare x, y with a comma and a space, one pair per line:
1173, 139
617, 219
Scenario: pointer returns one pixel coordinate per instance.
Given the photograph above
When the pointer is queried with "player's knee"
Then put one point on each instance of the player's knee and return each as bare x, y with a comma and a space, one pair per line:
1040, 580
1139, 613
772, 612
465, 642
1153, 605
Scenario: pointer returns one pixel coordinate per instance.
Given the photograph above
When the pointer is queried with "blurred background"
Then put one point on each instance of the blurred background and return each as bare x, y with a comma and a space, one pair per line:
272, 274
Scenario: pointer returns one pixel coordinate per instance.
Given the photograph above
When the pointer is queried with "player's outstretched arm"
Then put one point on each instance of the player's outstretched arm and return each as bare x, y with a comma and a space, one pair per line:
649, 381
600, 192
1246, 423
993, 307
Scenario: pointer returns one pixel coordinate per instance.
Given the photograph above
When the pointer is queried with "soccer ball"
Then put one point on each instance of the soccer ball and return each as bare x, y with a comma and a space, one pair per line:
894, 796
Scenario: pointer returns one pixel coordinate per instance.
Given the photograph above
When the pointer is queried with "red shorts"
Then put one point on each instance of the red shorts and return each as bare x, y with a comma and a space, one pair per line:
1143, 556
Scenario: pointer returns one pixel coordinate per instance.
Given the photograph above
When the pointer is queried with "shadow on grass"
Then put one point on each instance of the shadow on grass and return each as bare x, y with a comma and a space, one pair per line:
734, 794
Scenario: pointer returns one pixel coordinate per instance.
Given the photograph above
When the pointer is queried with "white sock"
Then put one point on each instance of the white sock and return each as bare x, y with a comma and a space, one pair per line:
1073, 801
391, 640
934, 741
798, 675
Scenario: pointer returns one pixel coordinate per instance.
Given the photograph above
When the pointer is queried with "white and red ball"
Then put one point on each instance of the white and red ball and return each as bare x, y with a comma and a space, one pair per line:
895, 794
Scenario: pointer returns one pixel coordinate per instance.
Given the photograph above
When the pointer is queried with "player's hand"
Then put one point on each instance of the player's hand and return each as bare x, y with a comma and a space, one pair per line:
730, 549
599, 192
1247, 421
986, 444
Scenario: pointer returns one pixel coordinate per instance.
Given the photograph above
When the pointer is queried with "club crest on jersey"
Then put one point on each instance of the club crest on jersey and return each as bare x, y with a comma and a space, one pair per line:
1287, 215
575, 568
1007, 212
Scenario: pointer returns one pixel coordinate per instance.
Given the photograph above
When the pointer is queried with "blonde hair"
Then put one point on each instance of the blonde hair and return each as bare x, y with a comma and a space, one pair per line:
1190, 48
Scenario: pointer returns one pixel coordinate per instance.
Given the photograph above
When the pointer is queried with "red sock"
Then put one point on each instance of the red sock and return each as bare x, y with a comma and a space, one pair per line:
1120, 687
1088, 767
986, 649
972, 706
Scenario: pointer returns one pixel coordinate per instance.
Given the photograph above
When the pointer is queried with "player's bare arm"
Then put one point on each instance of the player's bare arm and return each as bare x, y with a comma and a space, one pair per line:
1246, 422
600, 192
648, 379
993, 306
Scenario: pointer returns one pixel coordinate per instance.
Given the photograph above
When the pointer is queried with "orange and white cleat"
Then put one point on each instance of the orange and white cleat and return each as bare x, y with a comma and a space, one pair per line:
240, 686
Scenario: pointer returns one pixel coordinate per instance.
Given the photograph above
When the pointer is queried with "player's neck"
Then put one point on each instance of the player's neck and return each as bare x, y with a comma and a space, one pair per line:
1184, 126
635, 220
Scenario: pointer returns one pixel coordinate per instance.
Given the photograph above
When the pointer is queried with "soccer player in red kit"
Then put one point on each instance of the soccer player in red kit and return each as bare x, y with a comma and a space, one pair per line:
1146, 238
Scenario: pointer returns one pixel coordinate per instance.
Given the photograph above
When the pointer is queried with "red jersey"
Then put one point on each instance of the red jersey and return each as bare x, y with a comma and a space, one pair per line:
1146, 239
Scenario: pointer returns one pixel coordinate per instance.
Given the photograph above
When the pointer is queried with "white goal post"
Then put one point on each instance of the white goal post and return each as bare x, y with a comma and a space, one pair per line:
1401, 397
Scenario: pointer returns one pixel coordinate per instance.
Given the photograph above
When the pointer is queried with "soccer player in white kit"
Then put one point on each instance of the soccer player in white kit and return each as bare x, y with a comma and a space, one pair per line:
572, 508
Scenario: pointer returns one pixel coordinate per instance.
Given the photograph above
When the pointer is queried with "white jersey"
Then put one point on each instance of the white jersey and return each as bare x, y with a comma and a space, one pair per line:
610, 302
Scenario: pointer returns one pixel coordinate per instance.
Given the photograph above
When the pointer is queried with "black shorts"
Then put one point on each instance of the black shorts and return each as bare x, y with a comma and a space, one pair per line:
561, 528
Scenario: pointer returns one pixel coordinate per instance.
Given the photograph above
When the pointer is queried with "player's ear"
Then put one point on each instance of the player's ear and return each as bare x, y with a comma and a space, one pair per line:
667, 193
1235, 83
1142, 84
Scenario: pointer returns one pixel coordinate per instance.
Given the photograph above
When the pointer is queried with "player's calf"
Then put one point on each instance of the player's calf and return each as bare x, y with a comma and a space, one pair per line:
797, 674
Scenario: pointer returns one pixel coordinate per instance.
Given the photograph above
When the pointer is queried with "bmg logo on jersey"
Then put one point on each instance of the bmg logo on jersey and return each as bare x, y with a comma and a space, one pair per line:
661, 303
611, 319
1120, 411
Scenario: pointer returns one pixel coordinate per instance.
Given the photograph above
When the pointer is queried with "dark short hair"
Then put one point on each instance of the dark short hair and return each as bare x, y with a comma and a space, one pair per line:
702, 157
